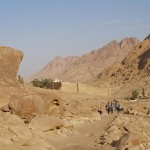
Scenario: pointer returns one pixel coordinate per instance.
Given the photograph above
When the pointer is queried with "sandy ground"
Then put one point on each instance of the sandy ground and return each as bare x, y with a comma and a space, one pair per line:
85, 137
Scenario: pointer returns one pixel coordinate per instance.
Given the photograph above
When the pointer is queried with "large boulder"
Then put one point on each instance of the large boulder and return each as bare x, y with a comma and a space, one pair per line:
128, 140
132, 141
32, 105
27, 106
9, 64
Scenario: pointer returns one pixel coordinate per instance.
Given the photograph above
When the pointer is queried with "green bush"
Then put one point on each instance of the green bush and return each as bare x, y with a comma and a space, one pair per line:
44, 83
135, 94
36, 83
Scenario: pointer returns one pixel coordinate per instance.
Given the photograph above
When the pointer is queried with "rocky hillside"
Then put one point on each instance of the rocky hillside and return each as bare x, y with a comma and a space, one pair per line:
89, 66
55, 67
132, 73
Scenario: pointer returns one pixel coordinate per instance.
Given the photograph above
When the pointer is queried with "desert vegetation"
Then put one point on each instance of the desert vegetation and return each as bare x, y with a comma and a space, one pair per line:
43, 83
135, 94
46, 83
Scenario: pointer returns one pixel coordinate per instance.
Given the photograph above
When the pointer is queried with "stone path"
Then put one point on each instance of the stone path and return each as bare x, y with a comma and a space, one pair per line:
85, 137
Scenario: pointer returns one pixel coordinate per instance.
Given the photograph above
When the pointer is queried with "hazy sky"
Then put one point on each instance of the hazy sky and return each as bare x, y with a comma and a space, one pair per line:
44, 29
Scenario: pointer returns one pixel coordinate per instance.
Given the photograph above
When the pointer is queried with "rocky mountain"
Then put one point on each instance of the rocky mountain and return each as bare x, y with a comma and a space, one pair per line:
55, 67
132, 73
89, 66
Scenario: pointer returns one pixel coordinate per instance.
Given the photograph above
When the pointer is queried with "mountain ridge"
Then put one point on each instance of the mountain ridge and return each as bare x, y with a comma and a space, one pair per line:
84, 68
133, 73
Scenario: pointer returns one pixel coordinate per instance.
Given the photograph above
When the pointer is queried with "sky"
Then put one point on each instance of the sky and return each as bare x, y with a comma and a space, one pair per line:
45, 29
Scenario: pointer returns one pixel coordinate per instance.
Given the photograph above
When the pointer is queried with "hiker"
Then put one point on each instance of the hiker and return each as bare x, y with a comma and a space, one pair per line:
116, 105
107, 107
119, 108
100, 110
111, 107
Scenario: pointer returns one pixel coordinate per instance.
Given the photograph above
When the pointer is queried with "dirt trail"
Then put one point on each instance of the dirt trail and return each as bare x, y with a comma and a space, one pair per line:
85, 137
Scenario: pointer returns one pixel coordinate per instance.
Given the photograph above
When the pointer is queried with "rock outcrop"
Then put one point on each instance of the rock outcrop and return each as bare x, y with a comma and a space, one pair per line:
32, 105
27, 107
9, 63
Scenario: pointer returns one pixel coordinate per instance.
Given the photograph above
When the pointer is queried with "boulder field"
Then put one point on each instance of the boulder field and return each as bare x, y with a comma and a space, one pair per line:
40, 119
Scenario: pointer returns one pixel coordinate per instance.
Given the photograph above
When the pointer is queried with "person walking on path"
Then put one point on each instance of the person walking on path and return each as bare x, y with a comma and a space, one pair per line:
107, 107
100, 111
111, 108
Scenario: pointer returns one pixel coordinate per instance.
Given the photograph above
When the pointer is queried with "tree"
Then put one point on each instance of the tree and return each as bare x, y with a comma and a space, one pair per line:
44, 83
36, 83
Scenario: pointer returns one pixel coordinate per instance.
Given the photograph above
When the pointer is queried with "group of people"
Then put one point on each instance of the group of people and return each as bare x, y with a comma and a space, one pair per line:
111, 107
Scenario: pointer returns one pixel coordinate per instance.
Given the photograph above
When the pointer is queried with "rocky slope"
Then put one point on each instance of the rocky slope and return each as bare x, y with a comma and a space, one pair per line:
132, 73
55, 67
89, 66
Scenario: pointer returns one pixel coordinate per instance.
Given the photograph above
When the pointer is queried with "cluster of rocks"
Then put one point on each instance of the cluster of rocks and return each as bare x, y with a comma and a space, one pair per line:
135, 111
15, 133
138, 107
32, 120
128, 132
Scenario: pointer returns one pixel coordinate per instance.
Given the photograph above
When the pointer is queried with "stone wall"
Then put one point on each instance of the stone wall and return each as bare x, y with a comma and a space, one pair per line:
83, 88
